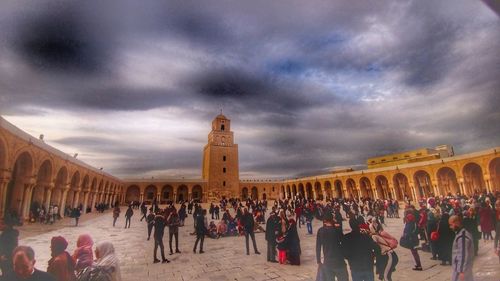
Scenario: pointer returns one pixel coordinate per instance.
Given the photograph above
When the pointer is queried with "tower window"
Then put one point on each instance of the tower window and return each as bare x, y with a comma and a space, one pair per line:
224, 183
222, 127
224, 158
223, 170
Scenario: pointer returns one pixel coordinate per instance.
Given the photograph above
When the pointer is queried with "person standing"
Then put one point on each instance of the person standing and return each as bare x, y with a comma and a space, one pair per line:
293, 242
24, 267
128, 216
200, 230
248, 227
330, 240
61, 264
8, 242
159, 224
272, 230
359, 251
217, 211
77, 213
144, 210
173, 230
150, 221
116, 214
410, 232
463, 251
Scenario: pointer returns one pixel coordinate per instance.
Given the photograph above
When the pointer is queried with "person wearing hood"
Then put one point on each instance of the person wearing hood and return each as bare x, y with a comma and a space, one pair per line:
359, 251
83, 254
107, 260
411, 233
61, 264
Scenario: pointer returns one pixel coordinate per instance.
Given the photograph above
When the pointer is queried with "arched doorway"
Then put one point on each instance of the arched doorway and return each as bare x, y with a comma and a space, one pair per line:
319, 192
365, 187
244, 193
255, 193
43, 181
351, 188
447, 181
494, 167
402, 187
21, 176
423, 184
294, 190
150, 193
197, 193
309, 191
133, 194
302, 191
264, 196
382, 186
182, 193
288, 192
57, 193
167, 194
71, 197
473, 178
328, 190
338, 189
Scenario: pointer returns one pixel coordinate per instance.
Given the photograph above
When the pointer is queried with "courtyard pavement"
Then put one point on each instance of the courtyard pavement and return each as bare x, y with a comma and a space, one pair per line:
224, 258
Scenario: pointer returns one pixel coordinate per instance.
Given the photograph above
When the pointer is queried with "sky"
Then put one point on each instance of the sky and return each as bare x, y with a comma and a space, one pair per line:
309, 86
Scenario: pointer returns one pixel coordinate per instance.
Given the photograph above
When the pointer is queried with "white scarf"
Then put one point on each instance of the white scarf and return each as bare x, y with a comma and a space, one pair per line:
108, 258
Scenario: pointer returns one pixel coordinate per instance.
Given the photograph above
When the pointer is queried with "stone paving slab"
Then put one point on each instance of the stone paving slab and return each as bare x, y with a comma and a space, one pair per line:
225, 258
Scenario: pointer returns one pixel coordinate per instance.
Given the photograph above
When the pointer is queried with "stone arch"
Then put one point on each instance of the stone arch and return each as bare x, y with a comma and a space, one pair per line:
197, 193
244, 193
328, 190
365, 187
302, 192
72, 197
318, 191
255, 193
133, 194
401, 186
167, 193
288, 191
43, 182
22, 174
382, 187
182, 193
309, 191
423, 184
294, 190
338, 188
351, 188
150, 193
282, 192
494, 168
473, 178
59, 188
447, 181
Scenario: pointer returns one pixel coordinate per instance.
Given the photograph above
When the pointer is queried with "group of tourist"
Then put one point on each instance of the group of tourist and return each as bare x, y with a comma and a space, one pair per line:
449, 227
18, 262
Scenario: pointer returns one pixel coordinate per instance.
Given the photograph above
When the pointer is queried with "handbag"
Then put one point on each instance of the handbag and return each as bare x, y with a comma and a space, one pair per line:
435, 234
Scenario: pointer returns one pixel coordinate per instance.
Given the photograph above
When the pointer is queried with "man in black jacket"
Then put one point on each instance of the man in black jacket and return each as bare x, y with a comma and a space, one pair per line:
271, 233
359, 252
330, 239
200, 229
150, 221
159, 223
24, 267
248, 226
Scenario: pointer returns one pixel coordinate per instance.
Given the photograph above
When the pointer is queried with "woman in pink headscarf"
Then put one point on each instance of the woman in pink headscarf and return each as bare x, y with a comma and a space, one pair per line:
83, 255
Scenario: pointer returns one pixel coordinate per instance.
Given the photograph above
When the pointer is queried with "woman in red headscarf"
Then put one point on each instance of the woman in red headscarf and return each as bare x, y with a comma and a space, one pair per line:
61, 264
83, 255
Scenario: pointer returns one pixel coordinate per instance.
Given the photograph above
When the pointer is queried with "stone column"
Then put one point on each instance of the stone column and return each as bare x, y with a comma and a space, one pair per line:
141, 197
85, 201
75, 199
62, 203
28, 190
48, 196
3, 196
488, 186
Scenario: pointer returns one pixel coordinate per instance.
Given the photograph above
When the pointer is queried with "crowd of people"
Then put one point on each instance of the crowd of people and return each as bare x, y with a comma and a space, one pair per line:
448, 227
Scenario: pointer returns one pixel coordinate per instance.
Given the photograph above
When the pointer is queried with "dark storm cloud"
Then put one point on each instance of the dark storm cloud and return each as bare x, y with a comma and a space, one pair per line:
307, 85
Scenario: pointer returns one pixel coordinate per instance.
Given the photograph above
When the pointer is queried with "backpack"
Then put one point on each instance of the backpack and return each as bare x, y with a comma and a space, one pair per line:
95, 273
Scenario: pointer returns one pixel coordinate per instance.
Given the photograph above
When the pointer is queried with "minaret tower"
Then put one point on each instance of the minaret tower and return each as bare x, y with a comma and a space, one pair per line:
220, 160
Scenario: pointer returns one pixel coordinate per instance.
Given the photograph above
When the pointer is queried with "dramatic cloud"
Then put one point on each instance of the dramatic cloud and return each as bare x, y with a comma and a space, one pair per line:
309, 86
